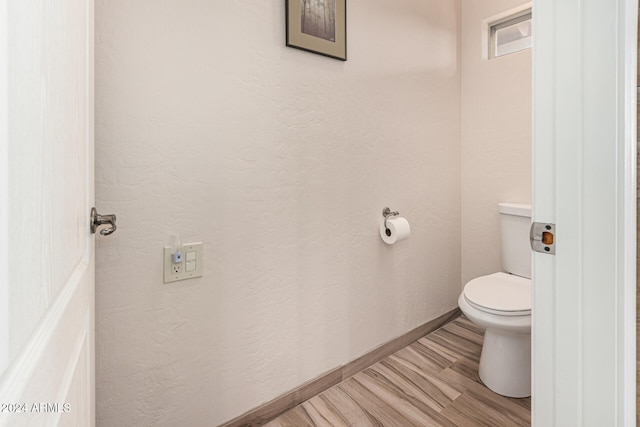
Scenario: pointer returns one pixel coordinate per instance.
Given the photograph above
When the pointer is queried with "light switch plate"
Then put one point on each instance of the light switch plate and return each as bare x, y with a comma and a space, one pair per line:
178, 271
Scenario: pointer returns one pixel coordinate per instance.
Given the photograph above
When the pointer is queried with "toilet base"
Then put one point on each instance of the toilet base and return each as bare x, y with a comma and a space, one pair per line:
505, 363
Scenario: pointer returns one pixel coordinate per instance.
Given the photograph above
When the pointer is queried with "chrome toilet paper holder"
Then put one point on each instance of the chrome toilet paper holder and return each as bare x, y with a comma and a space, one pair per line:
386, 213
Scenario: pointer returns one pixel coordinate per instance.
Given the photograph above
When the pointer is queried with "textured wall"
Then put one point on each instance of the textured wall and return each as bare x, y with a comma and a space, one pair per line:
280, 161
496, 138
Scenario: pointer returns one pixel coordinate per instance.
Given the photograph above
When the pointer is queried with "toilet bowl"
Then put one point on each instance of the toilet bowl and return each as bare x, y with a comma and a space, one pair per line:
501, 304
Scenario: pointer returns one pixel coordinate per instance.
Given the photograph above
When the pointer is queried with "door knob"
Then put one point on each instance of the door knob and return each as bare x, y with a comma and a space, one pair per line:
97, 220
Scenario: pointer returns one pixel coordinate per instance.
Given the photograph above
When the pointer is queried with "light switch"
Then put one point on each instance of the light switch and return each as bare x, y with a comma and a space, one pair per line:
189, 267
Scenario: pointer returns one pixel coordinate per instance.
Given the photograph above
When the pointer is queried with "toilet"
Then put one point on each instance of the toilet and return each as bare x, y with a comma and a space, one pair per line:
501, 304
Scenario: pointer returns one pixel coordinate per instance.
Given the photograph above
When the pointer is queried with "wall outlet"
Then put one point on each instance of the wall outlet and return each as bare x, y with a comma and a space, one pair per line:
189, 267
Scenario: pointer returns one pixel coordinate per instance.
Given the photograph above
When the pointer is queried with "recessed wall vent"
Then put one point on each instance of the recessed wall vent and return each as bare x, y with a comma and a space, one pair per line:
510, 34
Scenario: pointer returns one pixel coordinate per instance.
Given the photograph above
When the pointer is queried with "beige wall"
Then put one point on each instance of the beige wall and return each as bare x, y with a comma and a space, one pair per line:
280, 161
496, 138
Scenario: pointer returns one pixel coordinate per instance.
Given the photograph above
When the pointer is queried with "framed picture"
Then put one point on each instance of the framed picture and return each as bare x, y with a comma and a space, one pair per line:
318, 26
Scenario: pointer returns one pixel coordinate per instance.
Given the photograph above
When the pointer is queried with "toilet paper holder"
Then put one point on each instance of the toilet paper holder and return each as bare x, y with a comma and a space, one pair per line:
386, 213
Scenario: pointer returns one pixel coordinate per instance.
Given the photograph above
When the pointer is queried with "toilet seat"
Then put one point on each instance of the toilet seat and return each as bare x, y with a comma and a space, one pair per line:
500, 293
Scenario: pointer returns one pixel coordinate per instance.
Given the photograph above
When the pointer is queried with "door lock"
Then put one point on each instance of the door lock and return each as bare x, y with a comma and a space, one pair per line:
543, 237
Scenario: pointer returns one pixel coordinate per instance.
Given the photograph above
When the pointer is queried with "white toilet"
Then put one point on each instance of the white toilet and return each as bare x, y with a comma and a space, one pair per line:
501, 303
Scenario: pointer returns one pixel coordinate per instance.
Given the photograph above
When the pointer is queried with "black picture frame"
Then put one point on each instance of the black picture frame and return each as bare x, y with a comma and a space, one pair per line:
318, 26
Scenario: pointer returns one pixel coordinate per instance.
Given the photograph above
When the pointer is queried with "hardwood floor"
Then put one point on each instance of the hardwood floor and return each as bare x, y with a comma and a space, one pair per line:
432, 382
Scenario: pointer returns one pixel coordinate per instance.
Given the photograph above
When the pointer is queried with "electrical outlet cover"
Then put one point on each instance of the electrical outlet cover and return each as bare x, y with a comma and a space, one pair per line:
177, 271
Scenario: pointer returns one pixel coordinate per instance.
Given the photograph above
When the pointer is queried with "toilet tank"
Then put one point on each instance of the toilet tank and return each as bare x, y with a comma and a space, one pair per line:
515, 222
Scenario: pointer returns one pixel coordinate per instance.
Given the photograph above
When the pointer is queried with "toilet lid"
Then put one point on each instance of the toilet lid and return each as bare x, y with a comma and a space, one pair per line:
500, 292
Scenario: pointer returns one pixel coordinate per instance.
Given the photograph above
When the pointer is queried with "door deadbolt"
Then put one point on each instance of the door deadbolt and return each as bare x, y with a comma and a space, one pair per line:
542, 237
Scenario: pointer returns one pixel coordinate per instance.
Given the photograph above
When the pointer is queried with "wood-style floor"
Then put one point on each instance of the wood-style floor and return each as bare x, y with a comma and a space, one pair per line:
432, 382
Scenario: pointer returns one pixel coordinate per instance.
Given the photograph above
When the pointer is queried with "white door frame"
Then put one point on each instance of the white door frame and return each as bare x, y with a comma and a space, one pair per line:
4, 190
584, 175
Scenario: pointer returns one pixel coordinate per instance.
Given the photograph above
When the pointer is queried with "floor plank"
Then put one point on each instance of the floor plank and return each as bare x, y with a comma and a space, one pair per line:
353, 413
431, 382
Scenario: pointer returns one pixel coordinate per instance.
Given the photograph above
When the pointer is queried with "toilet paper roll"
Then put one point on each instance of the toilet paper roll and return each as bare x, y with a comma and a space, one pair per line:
398, 227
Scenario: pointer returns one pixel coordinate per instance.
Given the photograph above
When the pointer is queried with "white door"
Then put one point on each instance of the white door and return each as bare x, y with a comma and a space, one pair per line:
46, 193
584, 182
